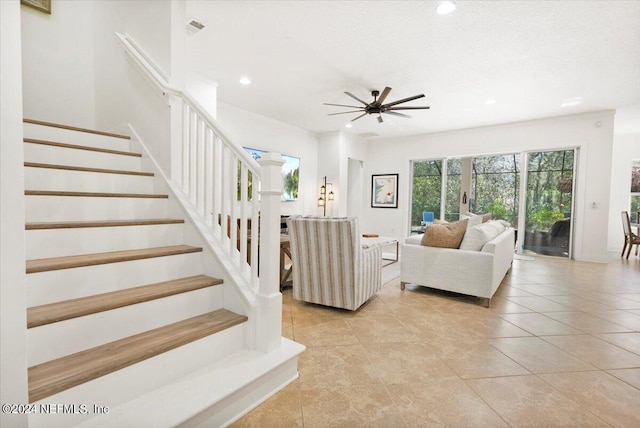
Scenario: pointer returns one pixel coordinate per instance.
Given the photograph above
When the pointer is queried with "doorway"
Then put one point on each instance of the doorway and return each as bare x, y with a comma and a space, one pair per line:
549, 202
355, 189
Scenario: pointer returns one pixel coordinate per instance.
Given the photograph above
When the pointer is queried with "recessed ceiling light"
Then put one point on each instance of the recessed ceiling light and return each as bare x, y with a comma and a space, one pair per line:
489, 101
245, 80
571, 102
348, 125
445, 7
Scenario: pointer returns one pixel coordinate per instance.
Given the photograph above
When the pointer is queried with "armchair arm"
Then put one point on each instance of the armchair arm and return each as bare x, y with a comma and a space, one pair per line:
369, 273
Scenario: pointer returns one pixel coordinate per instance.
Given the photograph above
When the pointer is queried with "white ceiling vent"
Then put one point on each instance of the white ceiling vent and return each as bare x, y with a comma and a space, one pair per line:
368, 134
193, 26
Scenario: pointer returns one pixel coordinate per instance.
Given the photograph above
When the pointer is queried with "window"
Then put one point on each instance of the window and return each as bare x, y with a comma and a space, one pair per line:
454, 184
495, 182
635, 191
425, 190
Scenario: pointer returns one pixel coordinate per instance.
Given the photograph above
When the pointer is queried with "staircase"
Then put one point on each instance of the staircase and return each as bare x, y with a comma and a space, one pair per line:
123, 311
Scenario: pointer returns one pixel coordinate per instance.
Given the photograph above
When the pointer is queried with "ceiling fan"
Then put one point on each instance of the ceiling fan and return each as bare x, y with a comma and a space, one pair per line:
377, 106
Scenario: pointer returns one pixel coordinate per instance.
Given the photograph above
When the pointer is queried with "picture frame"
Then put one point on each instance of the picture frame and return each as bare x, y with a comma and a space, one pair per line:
41, 5
384, 191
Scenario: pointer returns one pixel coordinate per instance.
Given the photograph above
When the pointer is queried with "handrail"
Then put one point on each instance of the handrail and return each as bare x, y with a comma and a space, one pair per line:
232, 200
151, 71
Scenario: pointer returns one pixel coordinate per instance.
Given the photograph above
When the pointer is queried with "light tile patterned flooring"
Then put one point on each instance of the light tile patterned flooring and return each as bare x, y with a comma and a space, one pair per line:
560, 346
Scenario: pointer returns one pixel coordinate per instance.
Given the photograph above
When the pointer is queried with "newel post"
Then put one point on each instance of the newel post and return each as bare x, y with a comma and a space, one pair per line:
269, 299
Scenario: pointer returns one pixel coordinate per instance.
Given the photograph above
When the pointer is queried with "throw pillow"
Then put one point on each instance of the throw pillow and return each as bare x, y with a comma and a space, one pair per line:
506, 224
487, 217
445, 235
475, 220
478, 235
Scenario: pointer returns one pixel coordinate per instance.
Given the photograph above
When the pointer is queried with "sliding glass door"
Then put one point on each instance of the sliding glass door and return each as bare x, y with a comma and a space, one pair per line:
426, 191
495, 184
549, 202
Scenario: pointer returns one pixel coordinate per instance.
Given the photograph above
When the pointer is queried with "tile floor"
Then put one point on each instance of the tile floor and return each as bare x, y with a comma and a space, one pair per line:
560, 346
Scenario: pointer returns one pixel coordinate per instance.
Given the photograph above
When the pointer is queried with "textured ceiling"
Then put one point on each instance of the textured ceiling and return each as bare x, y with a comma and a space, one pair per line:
528, 56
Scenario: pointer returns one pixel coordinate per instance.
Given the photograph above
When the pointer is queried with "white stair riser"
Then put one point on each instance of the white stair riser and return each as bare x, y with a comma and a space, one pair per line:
43, 243
59, 135
40, 153
65, 284
85, 208
143, 377
83, 181
56, 340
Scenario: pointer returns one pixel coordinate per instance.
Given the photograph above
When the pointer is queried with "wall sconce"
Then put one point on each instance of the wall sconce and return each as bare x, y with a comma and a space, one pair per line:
326, 195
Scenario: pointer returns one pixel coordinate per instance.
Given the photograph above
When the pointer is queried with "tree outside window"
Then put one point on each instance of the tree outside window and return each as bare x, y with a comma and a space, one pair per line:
635, 191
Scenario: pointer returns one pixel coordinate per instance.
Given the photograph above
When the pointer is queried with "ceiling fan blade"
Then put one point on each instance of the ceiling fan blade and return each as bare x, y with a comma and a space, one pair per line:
363, 114
384, 94
415, 97
356, 98
345, 112
340, 105
396, 114
407, 108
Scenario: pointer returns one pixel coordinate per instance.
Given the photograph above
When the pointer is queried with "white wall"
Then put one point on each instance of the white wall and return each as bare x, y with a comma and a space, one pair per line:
626, 147
13, 308
352, 147
334, 151
204, 91
592, 133
356, 188
258, 132
57, 63
122, 95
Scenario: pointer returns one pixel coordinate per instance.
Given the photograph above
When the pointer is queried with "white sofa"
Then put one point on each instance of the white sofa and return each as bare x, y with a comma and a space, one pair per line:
475, 273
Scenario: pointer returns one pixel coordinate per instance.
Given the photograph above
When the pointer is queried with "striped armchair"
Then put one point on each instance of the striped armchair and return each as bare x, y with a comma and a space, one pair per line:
330, 267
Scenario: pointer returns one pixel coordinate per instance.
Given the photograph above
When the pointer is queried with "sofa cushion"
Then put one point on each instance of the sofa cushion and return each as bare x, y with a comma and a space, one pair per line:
483, 218
414, 239
445, 235
478, 235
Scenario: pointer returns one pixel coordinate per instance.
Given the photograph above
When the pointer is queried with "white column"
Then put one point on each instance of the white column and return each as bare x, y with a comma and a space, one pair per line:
13, 307
522, 202
269, 299
443, 191
465, 184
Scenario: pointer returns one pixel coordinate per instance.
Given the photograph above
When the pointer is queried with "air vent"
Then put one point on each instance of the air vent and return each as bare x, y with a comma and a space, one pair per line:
194, 26
368, 134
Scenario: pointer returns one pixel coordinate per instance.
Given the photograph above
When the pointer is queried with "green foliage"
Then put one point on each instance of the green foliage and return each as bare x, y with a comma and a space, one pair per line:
291, 180
544, 218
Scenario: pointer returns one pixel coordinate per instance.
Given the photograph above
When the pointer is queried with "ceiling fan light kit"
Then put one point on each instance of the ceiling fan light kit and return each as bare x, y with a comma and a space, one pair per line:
377, 106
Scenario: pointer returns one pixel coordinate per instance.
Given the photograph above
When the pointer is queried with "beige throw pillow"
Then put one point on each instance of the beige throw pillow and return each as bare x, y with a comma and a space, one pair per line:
445, 235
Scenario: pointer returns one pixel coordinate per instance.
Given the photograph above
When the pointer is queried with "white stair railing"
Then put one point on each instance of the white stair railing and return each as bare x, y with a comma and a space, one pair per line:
229, 192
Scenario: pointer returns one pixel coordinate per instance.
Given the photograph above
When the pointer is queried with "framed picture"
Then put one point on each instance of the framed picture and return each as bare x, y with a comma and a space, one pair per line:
384, 191
41, 5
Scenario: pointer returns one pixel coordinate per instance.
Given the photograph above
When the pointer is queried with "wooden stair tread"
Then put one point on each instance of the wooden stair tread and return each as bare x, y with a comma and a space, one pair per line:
60, 311
58, 375
85, 169
79, 147
68, 262
75, 128
105, 223
92, 194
